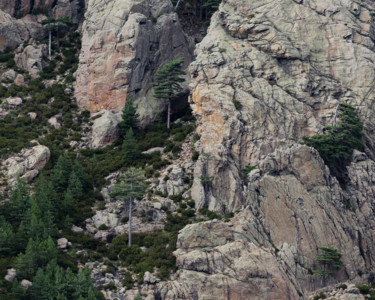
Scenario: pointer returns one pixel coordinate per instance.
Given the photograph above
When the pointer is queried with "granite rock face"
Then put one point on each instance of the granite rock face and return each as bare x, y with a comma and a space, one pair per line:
58, 8
14, 32
268, 73
123, 44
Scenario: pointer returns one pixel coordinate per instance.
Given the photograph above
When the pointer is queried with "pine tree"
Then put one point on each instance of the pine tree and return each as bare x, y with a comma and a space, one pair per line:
337, 143
130, 117
132, 186
130, 148
81, 174
167, 83
19, 200
61, 173
6, 237
68, 203
75, 186
330, 260
38, 289
45, 196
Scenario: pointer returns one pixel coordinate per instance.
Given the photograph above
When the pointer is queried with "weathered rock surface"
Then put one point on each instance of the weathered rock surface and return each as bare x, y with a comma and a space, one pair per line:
123, 43
31, 59
60, 8
176, 184
27, 163
13, 102
11, 274
105, 129
268, 73
14, 32
24, 7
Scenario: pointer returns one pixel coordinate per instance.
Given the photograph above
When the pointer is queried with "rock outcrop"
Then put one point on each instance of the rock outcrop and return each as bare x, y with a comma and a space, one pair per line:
57, 8
14, 32
123, 44
105, 129
27, 164
268, 73
31, 59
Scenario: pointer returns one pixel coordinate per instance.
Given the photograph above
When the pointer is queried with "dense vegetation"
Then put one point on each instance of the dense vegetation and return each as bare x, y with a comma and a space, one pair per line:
337, 143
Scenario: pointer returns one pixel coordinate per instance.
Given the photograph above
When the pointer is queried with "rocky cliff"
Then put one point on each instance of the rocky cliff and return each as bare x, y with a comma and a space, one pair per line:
268, 73
123, 44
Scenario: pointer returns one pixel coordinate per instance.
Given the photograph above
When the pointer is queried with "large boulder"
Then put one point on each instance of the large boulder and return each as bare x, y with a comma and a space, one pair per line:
123, 43
27, 163
31, 59
105, 129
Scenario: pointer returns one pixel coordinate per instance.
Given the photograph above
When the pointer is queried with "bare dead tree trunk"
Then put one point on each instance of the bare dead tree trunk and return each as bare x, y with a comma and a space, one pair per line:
334, 118
130, 222
49, 44
169, 114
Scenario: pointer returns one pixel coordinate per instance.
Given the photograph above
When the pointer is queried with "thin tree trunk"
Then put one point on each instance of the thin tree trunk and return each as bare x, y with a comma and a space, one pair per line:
130, 222
169, 115
58, 38
334, 118
178, 2
49, 44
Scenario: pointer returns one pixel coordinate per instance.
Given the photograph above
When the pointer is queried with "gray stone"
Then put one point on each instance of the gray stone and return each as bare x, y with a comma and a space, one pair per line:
62, 243
28, 162
31, 59
11, 274
105, 129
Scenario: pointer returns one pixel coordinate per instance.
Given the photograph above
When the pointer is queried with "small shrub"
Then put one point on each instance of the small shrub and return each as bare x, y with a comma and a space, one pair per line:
195, 155
237, 104
363, 289
320, 296
342, 286
103, 227
124, 220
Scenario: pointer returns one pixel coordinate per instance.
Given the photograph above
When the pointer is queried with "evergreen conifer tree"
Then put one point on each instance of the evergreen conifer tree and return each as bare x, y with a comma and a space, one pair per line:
130, 117
130, 148
167, 83
132, 186
75, 186
61, 173
6, 237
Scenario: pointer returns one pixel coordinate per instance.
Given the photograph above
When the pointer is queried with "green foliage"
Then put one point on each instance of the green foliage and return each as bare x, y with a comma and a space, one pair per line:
211, 6
168, 79
130, 118
132, 186
130, 147
363, 289
167, 83
247, 170
330, 260
320, 296
342, 286
337, 143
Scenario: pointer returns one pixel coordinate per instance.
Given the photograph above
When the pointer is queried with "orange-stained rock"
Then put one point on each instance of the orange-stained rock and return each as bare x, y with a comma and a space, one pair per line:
123, 44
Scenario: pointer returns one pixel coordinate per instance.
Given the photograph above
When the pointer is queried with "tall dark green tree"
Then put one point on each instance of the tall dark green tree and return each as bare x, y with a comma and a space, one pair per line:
6, 237
130, 148
61, 173
130, 117
167, 83
19, 200
132, 186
